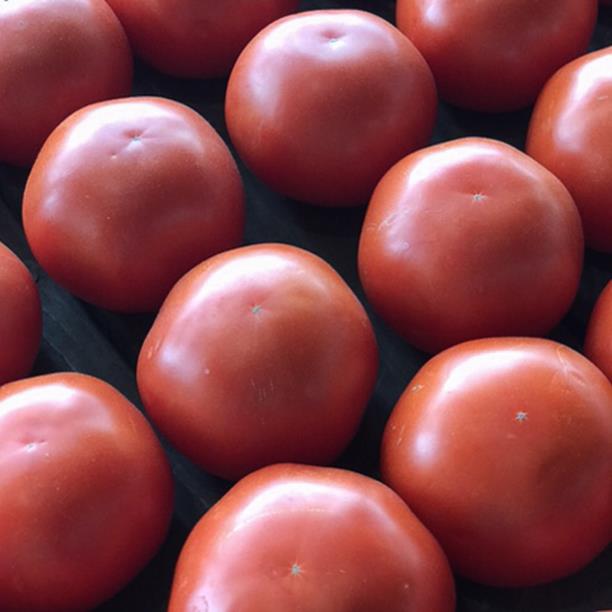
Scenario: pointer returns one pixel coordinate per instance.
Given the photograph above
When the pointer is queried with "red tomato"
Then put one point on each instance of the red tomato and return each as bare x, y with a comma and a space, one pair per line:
195, 38
20, 317
259, 355
55, 57
598, 342
571, 134
495, 55
503, 448
468, 239
321, 104
126, 196
292, 537
86, 493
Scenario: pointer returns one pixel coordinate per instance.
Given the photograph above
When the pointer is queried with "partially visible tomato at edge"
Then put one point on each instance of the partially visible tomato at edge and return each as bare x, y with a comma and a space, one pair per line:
86, 493
294, 537
55, 57
598, 341
495, 55
195, 38
570, 133
20, 317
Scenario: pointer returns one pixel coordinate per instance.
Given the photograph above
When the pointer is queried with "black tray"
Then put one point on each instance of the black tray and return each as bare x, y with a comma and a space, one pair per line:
87, 339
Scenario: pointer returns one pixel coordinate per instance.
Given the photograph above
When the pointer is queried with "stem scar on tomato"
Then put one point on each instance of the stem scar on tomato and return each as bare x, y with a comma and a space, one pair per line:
296, 570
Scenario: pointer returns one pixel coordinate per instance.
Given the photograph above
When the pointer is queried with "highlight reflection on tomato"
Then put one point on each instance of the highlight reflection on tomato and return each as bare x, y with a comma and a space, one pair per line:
259, 355
292, 537
320, 104
55, 57
468, 239
495, 55
20, 317
570, 133
128, 195
195, 38
86, 493
503, 448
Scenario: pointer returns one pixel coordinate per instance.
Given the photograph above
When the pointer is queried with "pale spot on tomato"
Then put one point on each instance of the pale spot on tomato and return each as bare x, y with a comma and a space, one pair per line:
296, 570
256, 309
520, 416
479, 197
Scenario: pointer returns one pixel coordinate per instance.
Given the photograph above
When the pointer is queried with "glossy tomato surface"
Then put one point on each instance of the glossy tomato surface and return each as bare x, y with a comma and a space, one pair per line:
468, 239
55, 57
571, 134
495, 55
320, 104
259, 355
598, 342
128, 195
503, 448
195, 38
86, 493
292, 537
20, 317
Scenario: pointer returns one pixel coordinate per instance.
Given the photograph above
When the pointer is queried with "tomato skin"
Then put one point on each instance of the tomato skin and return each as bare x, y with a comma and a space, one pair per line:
195, 38
86, 493
495, 55
509, 263
503, 448
55, 57
126, 196
570, 134
294, 537
301, 87
598, 341
20, 317
241, 367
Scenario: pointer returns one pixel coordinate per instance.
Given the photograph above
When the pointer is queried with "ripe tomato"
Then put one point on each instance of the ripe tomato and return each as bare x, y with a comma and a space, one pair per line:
55, 56
20, 317
468, 239
126, 196
571, 134
598, 342
86, 493
495, 55
321, 104
195, 38
293, 537
259, 355
503, 448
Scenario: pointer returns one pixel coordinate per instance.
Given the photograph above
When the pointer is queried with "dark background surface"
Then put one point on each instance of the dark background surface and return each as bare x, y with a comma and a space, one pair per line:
87, 339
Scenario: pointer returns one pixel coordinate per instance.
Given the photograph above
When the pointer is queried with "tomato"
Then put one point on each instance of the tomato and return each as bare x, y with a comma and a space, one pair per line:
503, 448
259, 355
86, 493
319, 105
195, 38
598, 342
495, 55
55, 56
20, 317
293, 537
570, 133
468, 239
126, 196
